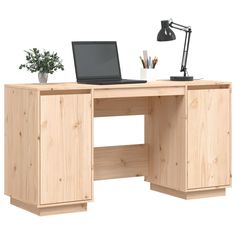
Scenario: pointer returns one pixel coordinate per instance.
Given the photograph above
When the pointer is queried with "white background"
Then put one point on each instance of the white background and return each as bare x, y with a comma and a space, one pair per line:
123, 206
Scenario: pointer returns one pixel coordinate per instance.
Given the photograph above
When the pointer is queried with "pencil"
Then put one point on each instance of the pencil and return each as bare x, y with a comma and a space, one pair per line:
142, 62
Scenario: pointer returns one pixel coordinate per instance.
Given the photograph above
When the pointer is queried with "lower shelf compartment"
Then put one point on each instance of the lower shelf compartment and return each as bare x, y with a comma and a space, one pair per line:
120, 161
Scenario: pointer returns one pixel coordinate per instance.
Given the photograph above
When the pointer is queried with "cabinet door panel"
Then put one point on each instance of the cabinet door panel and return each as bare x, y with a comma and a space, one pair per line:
66, 148
208, 138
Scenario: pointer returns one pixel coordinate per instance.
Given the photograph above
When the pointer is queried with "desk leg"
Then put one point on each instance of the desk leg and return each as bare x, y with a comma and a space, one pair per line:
165, 126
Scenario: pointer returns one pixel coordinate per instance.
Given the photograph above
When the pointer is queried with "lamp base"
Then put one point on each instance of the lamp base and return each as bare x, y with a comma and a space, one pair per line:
181, 78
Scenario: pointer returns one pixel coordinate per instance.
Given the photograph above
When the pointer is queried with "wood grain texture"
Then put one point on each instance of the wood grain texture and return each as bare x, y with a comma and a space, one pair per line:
65, 91
151, 84
21, 144
208, 138
120, 106
120, 161
203, 193
50, 163
66, 151
210, 86
165, 135
138, 92
52, 210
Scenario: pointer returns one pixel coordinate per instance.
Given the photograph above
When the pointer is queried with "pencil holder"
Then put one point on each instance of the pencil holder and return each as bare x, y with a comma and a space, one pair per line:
148, 74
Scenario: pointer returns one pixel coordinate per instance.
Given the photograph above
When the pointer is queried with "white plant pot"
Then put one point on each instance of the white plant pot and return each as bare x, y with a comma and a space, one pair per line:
43, 77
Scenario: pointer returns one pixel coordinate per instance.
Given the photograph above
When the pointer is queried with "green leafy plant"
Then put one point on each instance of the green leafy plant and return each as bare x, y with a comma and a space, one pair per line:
45, 62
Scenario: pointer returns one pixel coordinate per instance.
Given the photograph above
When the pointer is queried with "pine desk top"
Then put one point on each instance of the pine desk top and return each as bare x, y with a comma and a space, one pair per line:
153, 84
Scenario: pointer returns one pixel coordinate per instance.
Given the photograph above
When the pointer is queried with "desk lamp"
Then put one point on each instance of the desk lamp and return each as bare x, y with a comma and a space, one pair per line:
166, 34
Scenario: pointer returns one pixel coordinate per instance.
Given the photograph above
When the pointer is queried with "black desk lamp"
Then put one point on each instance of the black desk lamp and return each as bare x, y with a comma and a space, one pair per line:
166, 34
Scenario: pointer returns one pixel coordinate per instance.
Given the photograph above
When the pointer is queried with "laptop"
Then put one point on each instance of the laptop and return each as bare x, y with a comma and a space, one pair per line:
98, 63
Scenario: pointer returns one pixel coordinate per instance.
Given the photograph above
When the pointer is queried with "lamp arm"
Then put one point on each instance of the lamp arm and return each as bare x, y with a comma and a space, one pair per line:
185, 53
188, 32
178, 26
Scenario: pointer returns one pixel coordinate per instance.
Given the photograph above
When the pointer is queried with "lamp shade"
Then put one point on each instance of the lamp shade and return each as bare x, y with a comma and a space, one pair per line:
165, 34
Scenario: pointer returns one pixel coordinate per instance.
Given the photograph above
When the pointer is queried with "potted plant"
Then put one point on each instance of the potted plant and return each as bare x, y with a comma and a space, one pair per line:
44, 63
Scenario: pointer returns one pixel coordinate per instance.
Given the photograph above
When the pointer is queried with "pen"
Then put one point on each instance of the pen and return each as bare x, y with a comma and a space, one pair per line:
149, 62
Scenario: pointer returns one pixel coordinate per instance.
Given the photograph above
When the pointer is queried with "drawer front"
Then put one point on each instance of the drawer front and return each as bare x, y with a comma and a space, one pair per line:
138, 92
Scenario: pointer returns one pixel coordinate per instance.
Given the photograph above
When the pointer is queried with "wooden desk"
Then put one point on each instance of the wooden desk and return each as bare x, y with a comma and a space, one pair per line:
50, 161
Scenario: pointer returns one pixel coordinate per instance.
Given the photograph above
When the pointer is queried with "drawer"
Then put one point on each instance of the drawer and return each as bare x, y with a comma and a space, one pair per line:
138, 92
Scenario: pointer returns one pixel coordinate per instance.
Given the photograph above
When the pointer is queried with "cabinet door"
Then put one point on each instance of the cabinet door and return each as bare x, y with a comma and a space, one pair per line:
208, 138
66, 148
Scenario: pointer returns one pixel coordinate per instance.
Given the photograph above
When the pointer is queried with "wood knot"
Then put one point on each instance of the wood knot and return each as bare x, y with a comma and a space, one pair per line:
60, 179
20, 133
129, 110
123, 162
194, 103
14, 168
77, 124
61, 100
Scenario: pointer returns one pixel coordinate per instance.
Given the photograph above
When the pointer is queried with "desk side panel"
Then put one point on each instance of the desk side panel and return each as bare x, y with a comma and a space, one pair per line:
165, 135
21, 144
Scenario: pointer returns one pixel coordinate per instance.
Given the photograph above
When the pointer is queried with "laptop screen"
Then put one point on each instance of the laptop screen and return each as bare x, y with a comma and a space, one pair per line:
96, 60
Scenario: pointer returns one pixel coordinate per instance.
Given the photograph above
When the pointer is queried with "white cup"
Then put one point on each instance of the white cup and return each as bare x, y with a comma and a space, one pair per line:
148, 74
